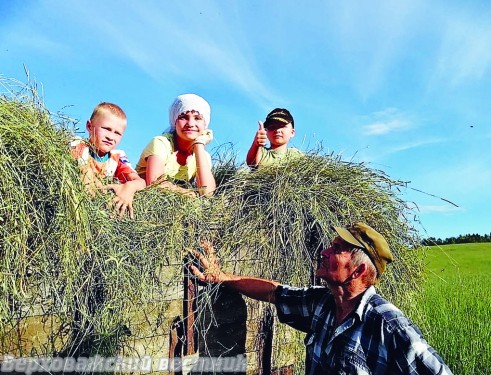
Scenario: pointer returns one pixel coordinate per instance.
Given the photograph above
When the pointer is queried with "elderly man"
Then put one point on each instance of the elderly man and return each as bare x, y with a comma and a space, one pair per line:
350, 328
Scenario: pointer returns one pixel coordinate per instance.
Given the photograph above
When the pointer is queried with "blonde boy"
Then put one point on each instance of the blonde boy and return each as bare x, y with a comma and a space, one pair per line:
278, 128
98, 160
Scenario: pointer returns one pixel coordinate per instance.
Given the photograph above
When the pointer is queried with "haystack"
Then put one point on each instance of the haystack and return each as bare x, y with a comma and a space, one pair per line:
76, 281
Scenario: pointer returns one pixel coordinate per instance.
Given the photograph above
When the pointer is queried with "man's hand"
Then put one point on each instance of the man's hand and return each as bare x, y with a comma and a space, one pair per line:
211, 270
253, 287
261, 135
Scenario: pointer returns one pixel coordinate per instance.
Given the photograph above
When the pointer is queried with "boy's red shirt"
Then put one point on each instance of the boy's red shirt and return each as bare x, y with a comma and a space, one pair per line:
117, 166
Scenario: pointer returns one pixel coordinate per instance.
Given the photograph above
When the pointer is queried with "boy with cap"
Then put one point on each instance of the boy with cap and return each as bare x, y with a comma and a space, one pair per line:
99, 161
278, 128
350, 328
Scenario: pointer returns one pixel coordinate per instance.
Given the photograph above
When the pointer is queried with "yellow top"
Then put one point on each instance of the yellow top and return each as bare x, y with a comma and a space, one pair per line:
163, 146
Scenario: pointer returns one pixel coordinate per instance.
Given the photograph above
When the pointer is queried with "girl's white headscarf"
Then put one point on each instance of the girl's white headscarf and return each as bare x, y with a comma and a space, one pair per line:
189, 102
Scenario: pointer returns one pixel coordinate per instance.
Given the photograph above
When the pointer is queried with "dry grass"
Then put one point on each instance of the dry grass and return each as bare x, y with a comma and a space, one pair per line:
66, 254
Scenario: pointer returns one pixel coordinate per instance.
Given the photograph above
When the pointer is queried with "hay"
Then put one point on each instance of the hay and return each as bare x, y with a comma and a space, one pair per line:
65, 254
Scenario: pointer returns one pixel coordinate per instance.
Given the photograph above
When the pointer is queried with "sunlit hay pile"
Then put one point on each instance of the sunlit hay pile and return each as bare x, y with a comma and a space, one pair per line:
274, 221
285, 214
105, 281
45, 233
65, 256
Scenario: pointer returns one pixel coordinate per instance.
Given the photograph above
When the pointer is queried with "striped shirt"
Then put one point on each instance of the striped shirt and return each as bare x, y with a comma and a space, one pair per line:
114, 164
376, 338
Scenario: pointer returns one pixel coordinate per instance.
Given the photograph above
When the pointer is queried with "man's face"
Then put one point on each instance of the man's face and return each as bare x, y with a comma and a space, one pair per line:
334, 266
279, 134
105, 131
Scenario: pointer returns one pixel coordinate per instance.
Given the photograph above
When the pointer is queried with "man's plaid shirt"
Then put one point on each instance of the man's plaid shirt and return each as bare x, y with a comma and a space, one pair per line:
374, 339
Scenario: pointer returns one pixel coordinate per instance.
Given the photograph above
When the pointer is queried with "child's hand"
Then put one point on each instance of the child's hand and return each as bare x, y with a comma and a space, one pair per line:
204, 138
123, 201
261, 135
189, 193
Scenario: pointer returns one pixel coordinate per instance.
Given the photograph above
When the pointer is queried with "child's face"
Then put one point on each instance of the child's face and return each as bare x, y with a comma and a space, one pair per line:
105, 131
279, 134
189, 125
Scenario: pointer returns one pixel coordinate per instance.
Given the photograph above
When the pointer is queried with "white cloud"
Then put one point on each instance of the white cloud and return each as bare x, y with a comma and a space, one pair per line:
380, 128
461, 182
414, 144
387, 121
171, 48
39, 43
25, 35
465, 51
426, 209
373, 39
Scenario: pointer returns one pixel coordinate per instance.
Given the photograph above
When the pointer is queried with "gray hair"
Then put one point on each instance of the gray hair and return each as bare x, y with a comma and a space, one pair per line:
358, 257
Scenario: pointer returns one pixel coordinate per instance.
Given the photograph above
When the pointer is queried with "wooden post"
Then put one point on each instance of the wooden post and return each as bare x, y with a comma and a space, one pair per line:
265, 345
190, 291
286, 370
176, 339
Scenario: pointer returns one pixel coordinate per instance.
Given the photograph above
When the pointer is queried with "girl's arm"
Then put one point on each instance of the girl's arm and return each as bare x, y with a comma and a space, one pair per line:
156, 170
204, 176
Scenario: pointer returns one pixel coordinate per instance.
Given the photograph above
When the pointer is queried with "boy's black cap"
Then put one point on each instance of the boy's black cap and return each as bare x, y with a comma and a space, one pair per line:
279, 116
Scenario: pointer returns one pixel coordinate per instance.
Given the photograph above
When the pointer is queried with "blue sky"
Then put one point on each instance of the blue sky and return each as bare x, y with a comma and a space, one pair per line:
402, 85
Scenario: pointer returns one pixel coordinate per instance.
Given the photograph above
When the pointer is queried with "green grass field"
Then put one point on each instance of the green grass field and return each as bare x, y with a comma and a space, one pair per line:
454, 311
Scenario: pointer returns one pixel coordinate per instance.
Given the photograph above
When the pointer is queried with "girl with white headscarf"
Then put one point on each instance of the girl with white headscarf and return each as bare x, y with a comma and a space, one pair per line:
178, 156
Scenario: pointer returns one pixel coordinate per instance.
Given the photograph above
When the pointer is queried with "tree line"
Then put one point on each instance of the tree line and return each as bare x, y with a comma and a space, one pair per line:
463, 238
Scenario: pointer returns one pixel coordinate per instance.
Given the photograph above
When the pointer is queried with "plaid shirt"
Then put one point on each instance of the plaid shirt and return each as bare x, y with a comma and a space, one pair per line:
376, 338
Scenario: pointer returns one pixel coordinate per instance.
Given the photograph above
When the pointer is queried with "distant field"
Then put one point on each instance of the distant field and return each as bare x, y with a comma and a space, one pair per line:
454, 310
466, 259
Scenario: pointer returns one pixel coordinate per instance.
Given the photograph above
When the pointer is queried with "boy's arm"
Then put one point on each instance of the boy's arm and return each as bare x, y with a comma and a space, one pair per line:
91, 182
254, 154
80, 152
125, 193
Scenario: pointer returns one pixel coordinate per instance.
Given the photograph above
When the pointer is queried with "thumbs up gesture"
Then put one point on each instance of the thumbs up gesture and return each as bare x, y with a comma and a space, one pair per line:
261, 136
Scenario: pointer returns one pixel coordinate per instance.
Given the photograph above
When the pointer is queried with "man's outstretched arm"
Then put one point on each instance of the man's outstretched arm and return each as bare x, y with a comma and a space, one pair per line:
253, 287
